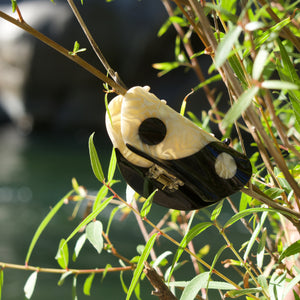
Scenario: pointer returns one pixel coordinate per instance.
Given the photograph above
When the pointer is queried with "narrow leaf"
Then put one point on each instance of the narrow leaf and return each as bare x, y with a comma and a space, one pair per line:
30, 285
74, 284
108, 266
238, 293
255, 234
216, 211
63, 277
78, 246
279, 85
1, 281
88, 284
90, 217
226, 45
112, 165
62, 255
202, 281
112, 214
245, 213
291, 284
277, 285
291, 250
100, 196
147, 205
95, 163
259, 63
196, 230
43, 225
261, 248
239, 106
94, 235
140, 265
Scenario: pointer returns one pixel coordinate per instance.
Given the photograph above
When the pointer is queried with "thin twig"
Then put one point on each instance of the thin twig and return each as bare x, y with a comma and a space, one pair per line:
75, 58
114, 75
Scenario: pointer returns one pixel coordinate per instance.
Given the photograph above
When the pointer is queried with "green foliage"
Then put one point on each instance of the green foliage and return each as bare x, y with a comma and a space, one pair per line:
30, 285
256, 52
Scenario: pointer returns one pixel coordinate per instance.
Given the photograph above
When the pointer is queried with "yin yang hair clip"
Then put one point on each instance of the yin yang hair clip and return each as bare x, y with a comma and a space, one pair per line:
157, 148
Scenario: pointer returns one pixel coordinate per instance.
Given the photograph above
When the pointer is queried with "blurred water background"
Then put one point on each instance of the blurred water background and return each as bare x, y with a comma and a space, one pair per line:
49, 107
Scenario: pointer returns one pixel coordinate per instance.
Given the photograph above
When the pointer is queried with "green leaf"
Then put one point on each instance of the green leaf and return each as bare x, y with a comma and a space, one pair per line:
63, 277
277, 285
261, 248
245, 213
226, 44
43, 225
1, 281
62, 255
94, 235
95, 163
161, 258
216, 211
88, 284
78, 246
112, 214
291, 250
291, 284
112, 165
208, 81
30, 285
14, 5
259, 63
202, 281
239, 106
90, 217
190, 234
140, 265
100, 196
123, 284
238, 293
108, 266
147, 205
255, 234
274, 193
279, 85
74, 284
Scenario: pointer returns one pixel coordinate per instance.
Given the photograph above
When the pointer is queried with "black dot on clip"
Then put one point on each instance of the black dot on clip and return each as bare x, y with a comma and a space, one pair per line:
152, 131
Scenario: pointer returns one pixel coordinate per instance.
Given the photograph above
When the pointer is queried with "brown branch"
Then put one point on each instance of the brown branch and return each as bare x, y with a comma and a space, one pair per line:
161, 290
75, 58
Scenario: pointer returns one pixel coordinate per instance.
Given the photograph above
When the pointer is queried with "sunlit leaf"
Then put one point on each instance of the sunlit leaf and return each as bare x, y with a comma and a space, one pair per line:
190, 234
94, 235
43, 225
259, 63
62, 255
108, 266
88, 284
291, 250
216, 211
290, 285
74, 284
255, 233
95, 162
242, 292
30, 285
239, 106
63, 277
14, 5
90, 217
226, 44
1, 281
261, 248
277, 285
202, 281
147, 204
279, 85
140, 265
78, 246
245, 213
112, 165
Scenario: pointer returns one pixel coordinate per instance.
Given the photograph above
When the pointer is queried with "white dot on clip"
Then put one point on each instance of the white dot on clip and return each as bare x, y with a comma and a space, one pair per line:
225, 165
